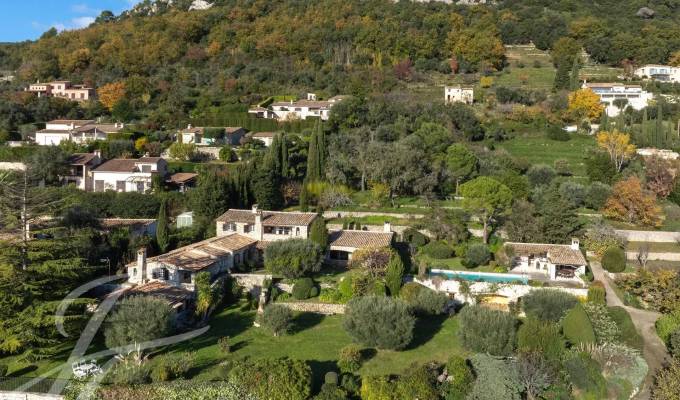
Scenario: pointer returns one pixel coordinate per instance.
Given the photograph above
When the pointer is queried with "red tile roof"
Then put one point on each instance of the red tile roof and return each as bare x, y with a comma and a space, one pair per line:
360, 239
269, 218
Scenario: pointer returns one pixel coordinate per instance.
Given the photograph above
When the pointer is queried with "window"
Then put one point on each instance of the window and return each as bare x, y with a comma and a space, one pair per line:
161, 274
134, 271
120, 186
247, 228
297, 231
140, 187
339, 255
185, 277
237, 258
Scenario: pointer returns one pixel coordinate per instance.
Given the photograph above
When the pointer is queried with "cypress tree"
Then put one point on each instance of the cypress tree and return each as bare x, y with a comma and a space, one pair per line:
575, 82
645, 126
304, 197
162, 235
313, 173
604, 123
321, 148
562, 79
659, 125
319, 233
274, 154
394, 275
284, 156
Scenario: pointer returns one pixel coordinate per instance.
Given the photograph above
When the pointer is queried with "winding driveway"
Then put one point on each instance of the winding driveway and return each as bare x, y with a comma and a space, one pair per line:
654, 350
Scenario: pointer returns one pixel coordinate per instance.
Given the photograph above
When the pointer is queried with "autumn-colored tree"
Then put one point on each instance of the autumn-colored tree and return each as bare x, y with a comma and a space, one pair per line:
584, 104
140, 144
661, 175
478, 45
630, 203
617, 145
674, 59
111, 93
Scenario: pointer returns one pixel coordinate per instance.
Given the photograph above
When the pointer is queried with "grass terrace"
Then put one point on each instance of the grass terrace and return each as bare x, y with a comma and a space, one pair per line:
540, 150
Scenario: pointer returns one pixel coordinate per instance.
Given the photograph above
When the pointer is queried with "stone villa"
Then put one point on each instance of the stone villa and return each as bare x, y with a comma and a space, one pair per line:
554, 261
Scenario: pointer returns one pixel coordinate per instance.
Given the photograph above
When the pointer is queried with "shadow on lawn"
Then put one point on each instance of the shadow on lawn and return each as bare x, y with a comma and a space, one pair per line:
426, 328
306, 321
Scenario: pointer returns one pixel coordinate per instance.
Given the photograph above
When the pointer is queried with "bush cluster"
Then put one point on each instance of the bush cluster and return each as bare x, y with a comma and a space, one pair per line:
487, 331
614, 260
437, 250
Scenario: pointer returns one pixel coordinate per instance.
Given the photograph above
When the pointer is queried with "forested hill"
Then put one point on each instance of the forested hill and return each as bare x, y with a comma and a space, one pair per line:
240, 51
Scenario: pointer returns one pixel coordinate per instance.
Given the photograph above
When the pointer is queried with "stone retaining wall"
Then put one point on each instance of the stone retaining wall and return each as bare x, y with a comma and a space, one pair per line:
251, 282
632, 255
316, 308
649, 236
28, 396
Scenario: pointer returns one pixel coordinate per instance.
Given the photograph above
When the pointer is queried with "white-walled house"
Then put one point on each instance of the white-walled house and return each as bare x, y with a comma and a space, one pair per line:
265, 137
301, 109
555, 261
663, 73
128, 175
80, 170
459, 94
343, 243
608, 92
266, 226
173, 275
62, 89
77, 131
231, 135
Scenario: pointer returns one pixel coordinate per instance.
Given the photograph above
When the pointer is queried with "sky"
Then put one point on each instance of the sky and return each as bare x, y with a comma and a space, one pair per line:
28, 19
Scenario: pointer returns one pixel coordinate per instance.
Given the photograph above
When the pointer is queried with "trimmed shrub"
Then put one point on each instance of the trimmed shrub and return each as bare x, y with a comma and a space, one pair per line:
597, 293
331, 378
428, 302
414, 238
437, 250
461, 379
281, 379
667, 324
314, 292
477, 254
629, 335
419, 383
410, 291
541, 337
547, 304
584, 373
345, 288
673, 344
614, 260
302, 288
382, 322
277, 319
577, 327
487, 331
350, 358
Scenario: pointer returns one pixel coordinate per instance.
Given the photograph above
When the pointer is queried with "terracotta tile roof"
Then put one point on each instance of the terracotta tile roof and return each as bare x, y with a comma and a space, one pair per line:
149, 159
106, 128
81, 158
261, 244
174, 295
360, 239
118, 165
561, 254
182, 177
201, 255
269, 218
72, 121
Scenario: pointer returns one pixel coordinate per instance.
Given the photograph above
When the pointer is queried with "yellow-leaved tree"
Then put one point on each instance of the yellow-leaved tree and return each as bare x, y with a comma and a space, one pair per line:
111, 93
617, 145
629, 202
584, 104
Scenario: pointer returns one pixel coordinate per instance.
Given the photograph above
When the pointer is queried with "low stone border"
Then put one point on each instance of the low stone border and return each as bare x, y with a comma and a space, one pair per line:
316, 308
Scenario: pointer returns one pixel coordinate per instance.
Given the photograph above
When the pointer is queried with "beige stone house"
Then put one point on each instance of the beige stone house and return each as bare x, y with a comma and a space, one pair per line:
63, 89
555, 261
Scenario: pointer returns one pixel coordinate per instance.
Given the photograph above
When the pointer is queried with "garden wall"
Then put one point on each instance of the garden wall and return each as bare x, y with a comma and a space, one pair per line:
632, 255
28, 396
649, 236
316, 308
251, 282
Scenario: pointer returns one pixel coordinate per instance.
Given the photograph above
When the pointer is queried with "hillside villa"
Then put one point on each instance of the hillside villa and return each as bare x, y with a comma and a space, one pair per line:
301, 109
230, 135
62, 89
633, 95
265, 137
459, 94
80, 170
129, 175
663, 73
554, 261
76, 131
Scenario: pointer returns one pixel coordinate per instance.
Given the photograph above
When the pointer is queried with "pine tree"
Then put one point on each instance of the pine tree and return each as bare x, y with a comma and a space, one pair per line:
394, 275
162, 235
319, 233
575, 81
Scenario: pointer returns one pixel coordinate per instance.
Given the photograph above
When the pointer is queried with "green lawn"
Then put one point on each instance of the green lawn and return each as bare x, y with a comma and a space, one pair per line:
371, 220
654, 247
316, 339
540, 150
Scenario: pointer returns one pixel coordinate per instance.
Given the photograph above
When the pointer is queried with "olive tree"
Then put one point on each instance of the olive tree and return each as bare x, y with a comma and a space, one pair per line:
381, 322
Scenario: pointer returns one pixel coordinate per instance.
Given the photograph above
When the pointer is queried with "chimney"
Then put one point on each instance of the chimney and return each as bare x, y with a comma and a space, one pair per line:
189, 126
141, 263
575, 244
98, 153
387, 227
255, 209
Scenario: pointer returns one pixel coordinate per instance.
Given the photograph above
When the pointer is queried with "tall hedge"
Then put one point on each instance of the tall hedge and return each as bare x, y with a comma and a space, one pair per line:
614, 260
577, 327
487, 331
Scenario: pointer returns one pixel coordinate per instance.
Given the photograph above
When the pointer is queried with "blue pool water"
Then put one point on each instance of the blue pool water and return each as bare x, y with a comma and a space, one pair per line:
481, 277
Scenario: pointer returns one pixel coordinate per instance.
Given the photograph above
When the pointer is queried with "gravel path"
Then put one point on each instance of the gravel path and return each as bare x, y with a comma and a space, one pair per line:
654, 350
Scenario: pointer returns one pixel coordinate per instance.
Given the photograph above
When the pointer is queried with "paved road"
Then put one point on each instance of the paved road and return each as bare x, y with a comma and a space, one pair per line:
654, 350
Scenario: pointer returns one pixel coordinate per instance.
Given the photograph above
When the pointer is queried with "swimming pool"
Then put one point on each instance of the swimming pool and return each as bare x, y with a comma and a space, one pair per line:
480, 276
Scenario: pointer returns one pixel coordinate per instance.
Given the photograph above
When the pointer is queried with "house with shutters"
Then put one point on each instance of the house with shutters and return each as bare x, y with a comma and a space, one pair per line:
129, 174
554, 261
172, 276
